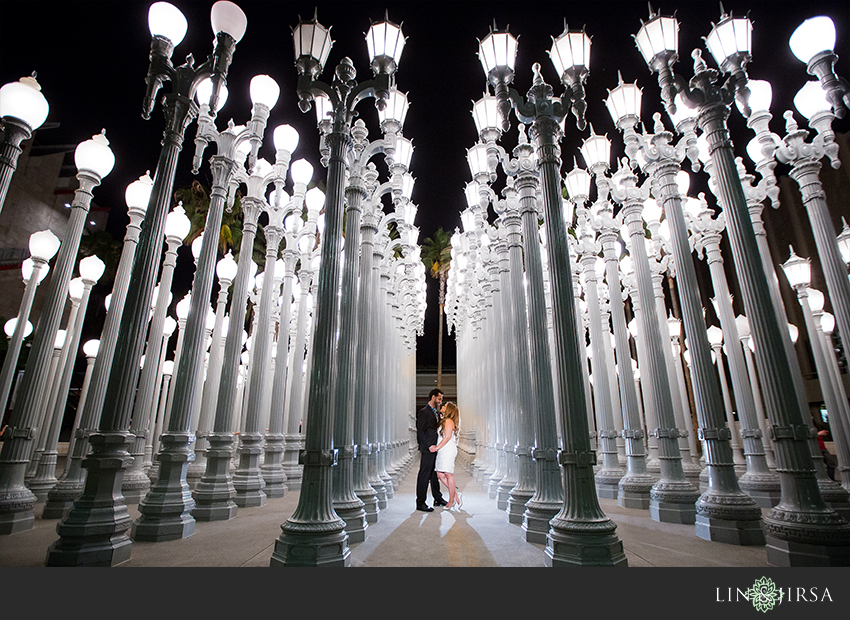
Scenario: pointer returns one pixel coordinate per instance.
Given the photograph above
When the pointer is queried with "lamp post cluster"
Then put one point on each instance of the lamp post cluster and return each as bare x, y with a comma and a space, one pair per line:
361, 306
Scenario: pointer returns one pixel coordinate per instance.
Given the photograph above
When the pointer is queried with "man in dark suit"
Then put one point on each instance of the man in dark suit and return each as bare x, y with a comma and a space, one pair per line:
427, 422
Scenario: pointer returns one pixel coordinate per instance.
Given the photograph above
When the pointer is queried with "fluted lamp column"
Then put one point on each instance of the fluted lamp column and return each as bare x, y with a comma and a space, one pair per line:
94, 160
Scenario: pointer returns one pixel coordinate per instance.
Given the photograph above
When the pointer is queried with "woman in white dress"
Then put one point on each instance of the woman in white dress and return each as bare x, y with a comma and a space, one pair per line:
446, 450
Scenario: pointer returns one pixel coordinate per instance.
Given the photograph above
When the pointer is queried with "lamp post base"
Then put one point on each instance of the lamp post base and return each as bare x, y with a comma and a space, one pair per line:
673, 502
311, 544
354, 516
633, 491
535, 520
565, 548
516, 505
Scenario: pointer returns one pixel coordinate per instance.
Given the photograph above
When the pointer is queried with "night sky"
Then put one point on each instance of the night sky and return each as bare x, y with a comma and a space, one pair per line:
92, 58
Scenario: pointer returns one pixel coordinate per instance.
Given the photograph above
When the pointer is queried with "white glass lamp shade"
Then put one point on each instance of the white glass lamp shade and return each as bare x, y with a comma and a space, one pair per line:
166, 20
674, 327
203, 93
626, 265
245, 357
403, 151
168, 367
252, 270
571, 50
761, 96
285, 138
23, 100
815, 35
279, 268
652, 211
210, 322
754, 151
844, 242
396, 109
227, 17
742, 325
793, 332
407, 182
624, 101
385, 39
467, 220
634, 330
683, 181
168, 326
259, 279
715, 335
91, 269
59, 340
182, 308
91, 347
664, 230
177, 224
313, 40
660, 35
301, 171
497, 51
702, 149
686, 354
196, 246
11, 324
471, 194
107, 301
27, 268
730, 37
477, 159
76, 288
306, 243
264, 90
827, 323
798, 270
811, 99
138, 193
485, 113
95, 155
816, 299
683, 111
226, 268
43, 244
577, 181
324, 108
315, 199
596, 150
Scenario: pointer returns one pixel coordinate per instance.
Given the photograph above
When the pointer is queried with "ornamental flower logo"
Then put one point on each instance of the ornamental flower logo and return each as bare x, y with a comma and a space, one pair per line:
764, 595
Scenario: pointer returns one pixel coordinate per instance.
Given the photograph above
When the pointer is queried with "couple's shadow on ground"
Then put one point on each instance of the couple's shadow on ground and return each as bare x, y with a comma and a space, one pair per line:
438, 538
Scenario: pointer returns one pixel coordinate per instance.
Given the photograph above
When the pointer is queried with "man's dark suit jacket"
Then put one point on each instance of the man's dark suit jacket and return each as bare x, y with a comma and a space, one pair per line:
426, 428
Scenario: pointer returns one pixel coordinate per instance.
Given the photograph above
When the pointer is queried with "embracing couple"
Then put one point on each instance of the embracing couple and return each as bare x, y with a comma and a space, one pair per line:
436, 432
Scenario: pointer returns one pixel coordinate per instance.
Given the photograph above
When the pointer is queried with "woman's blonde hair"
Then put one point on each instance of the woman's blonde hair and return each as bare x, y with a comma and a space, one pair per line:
452, 413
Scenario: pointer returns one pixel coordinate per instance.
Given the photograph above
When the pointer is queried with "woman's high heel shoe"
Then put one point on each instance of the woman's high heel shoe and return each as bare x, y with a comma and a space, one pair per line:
459, 500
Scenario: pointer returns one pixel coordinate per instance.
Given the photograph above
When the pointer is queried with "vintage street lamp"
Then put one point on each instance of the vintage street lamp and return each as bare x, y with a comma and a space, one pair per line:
22, 110
569, 533
315, 534
94, 160
813, 42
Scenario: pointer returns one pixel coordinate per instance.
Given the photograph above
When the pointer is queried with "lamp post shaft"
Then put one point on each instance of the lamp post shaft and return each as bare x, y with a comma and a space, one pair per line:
15, 132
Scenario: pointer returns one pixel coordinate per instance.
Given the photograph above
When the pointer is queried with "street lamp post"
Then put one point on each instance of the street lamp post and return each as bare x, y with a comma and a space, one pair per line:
580, 525
314, 534
95, 531
94, 161
91, 269
23, 109
43, 245
802, 528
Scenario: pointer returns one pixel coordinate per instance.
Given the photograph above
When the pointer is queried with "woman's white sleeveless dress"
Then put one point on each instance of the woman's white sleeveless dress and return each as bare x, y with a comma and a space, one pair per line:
446, 455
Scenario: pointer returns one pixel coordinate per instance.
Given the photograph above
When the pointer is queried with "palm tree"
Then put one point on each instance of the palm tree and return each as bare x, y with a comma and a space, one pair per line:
437, 256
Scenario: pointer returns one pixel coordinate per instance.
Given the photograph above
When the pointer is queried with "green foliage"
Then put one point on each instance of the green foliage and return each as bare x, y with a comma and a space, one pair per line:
101, 243
196, 204
436, 253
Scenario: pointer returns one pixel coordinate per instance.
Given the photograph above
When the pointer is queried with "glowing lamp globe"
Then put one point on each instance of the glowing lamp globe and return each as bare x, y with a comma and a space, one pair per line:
264, 91
138, 193
229, 18
811, 100
816, 299
28, 266
813, 36
90, 348
396, 109
177, 224
570, 52
11, 324
498, 52
165, 20
203, 93
226, 268
43, 245
315, 199
59, 340
23, 100
285, 138
94, 155
301, 171
91, 269
76, 289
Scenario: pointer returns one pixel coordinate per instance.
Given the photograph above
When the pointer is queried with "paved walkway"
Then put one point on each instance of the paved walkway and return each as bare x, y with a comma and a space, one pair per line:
477, 536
